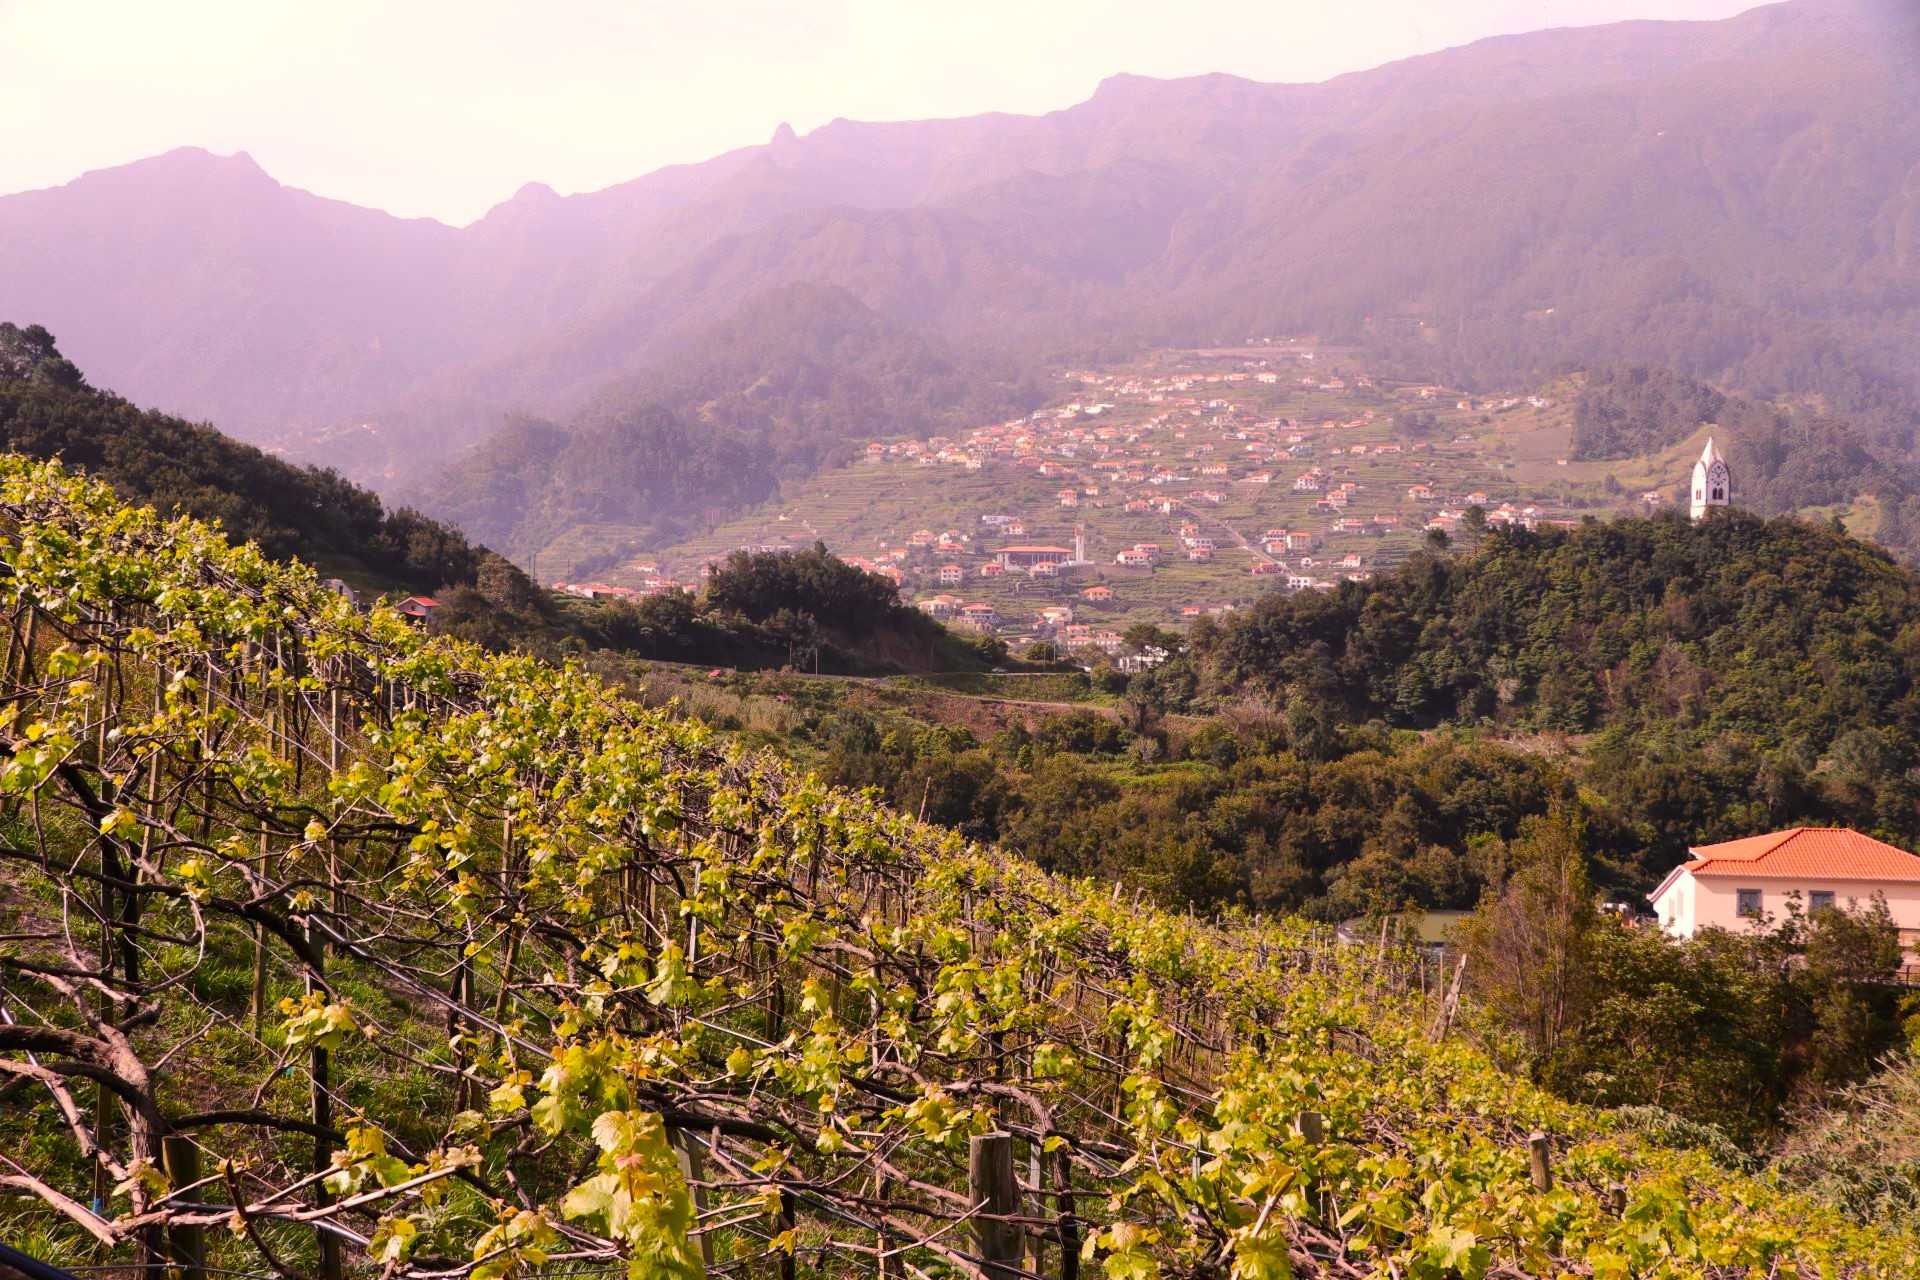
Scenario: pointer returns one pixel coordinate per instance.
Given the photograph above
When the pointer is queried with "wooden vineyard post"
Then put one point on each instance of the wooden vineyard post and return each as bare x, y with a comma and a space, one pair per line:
258, 1006
783, 1224
1452, 1002
889, 1266
460, 992
992, 1189
1540, 1156
691, 1171
1380, 952
257, 1002
1036, 1246
1313, 1130
327, 1243
333, 812
186, 1246
1063, 1204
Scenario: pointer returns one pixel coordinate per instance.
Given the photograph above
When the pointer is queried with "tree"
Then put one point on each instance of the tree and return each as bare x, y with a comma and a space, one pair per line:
22, 350
1475, 520
1527, 948
1671, 1021
1782, 1008
1313, 731
1851, 957
813, 581
1144, 635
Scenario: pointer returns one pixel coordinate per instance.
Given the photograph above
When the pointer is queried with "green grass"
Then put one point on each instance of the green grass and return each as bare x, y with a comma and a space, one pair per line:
1134, 773
1051, 686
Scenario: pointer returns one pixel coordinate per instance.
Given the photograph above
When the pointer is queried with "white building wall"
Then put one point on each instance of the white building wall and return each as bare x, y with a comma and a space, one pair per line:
1693, 903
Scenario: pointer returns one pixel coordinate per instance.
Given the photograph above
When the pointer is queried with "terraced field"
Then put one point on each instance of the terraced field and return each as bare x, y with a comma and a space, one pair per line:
581, 546
1508, 452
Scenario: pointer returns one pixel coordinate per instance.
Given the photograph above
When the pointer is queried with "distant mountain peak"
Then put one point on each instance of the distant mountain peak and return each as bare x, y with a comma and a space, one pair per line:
783, 135
1126, 84
197, 161
200, 157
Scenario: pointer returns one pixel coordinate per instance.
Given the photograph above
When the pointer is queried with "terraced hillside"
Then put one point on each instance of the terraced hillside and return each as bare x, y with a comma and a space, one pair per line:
1217, 440
1185, 439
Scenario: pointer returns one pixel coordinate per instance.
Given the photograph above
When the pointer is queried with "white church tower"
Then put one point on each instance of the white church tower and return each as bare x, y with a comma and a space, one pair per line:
1712, 485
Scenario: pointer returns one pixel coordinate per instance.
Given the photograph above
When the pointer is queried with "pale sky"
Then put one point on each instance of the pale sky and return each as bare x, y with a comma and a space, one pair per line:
443, 108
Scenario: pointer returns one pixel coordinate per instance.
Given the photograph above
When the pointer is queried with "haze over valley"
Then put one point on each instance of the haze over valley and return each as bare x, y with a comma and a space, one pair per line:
1235, 680
1697, 196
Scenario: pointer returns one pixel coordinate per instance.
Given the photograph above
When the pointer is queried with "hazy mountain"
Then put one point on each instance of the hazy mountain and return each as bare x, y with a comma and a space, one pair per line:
1738, 199
1753, 217
199, 282
783, 386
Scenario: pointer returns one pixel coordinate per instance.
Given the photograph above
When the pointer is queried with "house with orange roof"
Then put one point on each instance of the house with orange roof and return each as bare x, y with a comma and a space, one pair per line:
419, 609
1727, 885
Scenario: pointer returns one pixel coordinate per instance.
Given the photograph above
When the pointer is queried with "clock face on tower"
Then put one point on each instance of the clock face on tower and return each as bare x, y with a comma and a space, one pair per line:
1717, 485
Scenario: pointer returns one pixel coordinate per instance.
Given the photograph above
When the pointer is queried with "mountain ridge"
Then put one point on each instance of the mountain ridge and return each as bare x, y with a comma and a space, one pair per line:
1424, 207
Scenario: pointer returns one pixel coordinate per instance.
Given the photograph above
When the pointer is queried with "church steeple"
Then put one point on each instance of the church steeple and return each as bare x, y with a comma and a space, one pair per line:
1712, 482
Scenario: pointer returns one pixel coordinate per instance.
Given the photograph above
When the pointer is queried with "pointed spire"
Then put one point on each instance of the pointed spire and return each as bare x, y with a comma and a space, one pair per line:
1711, 483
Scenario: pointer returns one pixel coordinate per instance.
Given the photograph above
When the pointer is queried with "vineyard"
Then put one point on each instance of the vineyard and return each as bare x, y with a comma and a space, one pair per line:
330, 947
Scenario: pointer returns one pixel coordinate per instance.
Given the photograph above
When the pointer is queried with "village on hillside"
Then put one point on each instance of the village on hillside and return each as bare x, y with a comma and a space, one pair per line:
1184, 487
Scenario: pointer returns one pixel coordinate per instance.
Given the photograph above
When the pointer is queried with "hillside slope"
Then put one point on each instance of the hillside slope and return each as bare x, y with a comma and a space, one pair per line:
529, 942
48, 410
1710, 679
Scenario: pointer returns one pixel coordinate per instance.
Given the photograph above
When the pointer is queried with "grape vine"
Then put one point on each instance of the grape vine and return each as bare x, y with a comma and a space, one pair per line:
358, 949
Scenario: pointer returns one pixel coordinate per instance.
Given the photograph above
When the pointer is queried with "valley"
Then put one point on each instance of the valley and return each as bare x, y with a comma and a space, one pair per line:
1247, 471
1230, 680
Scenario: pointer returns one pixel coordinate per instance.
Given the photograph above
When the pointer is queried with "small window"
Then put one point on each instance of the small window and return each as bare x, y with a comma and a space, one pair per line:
1719, 494
1819, 900
1749, 902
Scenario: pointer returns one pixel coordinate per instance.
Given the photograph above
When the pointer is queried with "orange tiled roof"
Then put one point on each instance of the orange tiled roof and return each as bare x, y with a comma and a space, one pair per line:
1835, 853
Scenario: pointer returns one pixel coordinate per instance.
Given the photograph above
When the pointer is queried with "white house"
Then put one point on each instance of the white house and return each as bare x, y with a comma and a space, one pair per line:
1727, 884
